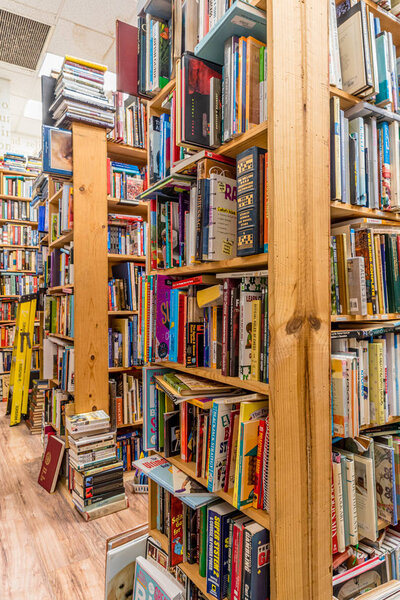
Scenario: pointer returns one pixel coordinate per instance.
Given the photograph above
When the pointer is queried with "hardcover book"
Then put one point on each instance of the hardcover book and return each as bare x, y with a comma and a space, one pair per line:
51, 463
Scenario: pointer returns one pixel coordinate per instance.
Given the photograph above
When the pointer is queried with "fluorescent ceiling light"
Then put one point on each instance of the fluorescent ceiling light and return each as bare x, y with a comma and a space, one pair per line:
33, 110
51, 62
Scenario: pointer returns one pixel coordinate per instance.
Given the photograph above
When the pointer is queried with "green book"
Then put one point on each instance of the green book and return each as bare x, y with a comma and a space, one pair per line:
203, 542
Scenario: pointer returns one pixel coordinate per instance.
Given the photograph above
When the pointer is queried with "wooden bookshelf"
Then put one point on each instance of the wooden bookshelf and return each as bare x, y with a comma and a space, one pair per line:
255, 261
156, 102
122, 313
341, 211
256, 136
63, 240
388, 21
56, 197
125, 258
215, 375
364, 318
130, 210
59, 336
123, 369
32, 224
60, 288
18, 246
124, 153
20, 198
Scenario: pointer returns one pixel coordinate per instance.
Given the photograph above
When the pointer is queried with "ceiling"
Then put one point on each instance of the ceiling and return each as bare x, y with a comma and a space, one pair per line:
82, 28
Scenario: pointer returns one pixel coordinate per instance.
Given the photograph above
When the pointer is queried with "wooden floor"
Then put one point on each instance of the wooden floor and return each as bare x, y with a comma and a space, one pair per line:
47, 551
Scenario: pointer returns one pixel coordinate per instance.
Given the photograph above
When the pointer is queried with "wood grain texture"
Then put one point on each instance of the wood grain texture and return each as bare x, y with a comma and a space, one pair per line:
298, 188
47, 550
90, 268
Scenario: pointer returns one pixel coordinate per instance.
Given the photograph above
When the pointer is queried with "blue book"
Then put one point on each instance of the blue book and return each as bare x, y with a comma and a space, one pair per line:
256, 559
57, 151
384, 162
173, 331
384, 96
244, 81
218, 516
356, 126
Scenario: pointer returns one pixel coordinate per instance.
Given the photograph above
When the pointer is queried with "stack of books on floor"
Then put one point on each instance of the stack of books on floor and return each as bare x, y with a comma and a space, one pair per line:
79, 95
95, 475
36, 403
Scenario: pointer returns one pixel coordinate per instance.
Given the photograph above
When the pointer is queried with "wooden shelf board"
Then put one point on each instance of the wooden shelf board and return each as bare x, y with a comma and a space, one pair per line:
340, 211
390, 421
18, 271
18, 173
160, 537
63, 240
55, 198
123, 369
59, 336
134, 424
364, 318
59, 288
10, 197
11, 296
123, 153
192, 571
215, 375
155, 103
125, 257
259, 4
45, 239
32, 224
18, 246
256, 136
239, 263
122, 313
35, 347
260, 516
129, 210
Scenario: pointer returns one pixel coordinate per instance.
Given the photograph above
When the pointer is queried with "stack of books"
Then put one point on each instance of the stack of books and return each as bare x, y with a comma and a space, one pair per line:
14, 162
36, 406
34, 164
79, 95
40, 189
95, 474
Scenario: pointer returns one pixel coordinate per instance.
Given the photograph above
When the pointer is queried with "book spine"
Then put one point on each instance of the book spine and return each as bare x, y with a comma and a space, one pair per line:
257, 500
214, 587
212, 446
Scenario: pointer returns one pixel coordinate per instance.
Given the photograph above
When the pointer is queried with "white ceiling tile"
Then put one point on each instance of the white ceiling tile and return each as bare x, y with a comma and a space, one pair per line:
70, 38
100, 16
38, 11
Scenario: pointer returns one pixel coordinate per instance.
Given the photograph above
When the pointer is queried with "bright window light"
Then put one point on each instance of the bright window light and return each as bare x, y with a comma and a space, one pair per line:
51, 62
33, 110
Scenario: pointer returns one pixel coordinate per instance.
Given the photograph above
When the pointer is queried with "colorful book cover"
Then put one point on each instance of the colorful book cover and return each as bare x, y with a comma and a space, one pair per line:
149, 407
176, 531
222, 234
163, 317
385, 483
151, 582
250, 289
256, 558
220, 420
217, 553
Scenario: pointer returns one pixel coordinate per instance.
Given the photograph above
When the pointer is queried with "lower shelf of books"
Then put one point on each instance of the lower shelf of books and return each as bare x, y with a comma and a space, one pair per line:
192, 571
215, 375
258, 515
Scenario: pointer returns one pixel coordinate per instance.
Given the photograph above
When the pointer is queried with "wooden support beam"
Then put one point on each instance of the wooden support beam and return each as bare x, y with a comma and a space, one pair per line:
90, 268
298, 184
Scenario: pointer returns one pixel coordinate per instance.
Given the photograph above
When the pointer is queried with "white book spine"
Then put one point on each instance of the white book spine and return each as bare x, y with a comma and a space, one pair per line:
352, 502
337, 484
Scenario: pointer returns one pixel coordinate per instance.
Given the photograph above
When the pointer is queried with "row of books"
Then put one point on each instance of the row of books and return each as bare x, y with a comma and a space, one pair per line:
224, 326
23, 235
79, 95
62, 221
124, 181
123, 288
154, 53
127, 235
365, 378
218, 437
122, 342
364, 267
130, 121
54, 408
365, 156
7, 333
95, 475
59, 315
59, 266
6, 358
8, 309
40, 188
18, 162
126, 400
129, 449
18, 260
362, 56
17, 210
18, 186
161, 151
18, 285
36, 401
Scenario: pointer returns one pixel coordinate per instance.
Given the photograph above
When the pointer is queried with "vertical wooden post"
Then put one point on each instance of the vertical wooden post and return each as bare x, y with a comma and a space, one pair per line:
90, 268
298, 145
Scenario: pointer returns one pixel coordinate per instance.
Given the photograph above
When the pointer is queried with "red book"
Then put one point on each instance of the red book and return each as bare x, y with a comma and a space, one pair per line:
176, 531
237, 547
257, 500
182, 306
127, 58
119, 411
108, 177
184, 432
197, 280
334, 525
51, 464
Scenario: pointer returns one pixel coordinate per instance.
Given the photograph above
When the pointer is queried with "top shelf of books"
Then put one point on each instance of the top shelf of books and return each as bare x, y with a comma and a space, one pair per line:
388, 21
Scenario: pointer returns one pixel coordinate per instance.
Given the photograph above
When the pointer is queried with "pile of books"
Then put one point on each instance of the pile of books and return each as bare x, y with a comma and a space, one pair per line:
222, 326
14, 162
40, 189
364, 267
79, 95
36, 403
34, 164
130, 121
95, 474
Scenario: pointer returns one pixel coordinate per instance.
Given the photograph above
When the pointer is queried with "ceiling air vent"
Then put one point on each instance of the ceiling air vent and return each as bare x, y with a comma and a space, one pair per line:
21, 40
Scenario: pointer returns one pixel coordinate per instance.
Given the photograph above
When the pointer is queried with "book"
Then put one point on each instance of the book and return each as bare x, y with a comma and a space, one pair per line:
149, 576
51, 464
217, 550
57, 151
250, 166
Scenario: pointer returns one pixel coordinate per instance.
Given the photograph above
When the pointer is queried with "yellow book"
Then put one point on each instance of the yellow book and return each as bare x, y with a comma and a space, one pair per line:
85, 63
214, 340
249, 411
255, 339
209, 295
339, 397
253, 82
376, 383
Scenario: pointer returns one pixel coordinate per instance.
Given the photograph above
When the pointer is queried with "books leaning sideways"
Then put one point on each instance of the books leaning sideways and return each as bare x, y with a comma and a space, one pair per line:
36, 406
95, 475
79, 95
